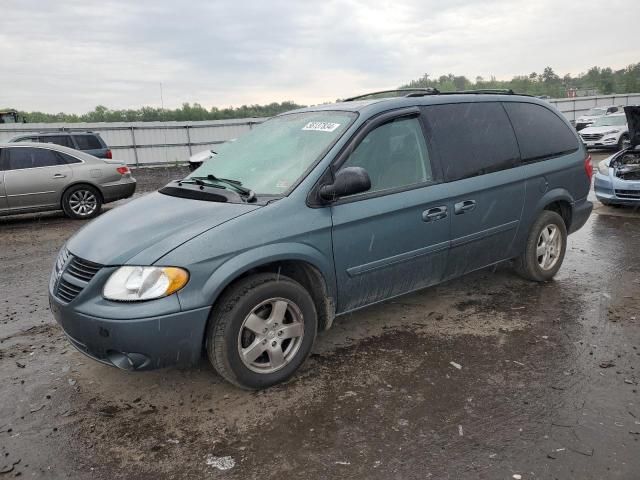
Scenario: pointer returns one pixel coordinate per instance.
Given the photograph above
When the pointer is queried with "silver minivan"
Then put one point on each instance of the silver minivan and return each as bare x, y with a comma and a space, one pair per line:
37, 177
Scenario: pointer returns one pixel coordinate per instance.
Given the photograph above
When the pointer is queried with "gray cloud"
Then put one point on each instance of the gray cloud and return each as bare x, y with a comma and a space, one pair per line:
73, 55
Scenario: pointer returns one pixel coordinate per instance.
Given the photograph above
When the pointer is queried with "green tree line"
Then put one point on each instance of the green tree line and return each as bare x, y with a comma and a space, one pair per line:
187, 112
604, 81
598, 80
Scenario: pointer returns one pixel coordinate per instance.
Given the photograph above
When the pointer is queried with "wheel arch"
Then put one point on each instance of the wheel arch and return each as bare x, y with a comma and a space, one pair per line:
302, 263
75, 184
560, 201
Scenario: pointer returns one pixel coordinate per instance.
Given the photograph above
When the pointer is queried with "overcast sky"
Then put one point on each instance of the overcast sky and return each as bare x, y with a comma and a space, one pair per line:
71, 55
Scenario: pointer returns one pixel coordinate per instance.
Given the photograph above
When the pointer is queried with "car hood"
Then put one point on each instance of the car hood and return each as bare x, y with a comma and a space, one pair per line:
603, 129
587, 119
144, 230
633, 122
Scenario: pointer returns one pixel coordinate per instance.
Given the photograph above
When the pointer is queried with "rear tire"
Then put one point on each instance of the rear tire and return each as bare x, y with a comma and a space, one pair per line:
81, 202
261, 331
545, 248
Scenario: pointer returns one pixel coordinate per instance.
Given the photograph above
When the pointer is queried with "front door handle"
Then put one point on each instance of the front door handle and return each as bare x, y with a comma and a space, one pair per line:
464, 206
434, 214
59, 175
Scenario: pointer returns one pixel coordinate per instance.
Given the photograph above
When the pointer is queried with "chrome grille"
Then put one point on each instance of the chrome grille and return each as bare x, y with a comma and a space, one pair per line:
73, 268
82, 269
67, 291
591, 136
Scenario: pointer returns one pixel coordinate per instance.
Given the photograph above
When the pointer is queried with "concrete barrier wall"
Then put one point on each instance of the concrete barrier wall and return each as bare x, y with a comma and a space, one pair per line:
572, 108
140, 143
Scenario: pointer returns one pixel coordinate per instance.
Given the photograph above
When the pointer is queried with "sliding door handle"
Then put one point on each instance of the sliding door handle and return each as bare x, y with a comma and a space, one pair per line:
464, 206
434, 214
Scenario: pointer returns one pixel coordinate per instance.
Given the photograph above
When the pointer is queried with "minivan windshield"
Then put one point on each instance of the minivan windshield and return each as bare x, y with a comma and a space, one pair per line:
610, 121
274, 155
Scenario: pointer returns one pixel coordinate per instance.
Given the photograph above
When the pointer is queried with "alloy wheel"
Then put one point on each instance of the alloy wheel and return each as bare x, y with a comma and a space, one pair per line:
549, 247
271, 335
83, 202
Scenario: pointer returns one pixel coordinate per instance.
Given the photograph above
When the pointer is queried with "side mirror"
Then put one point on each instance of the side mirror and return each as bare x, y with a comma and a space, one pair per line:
348, 181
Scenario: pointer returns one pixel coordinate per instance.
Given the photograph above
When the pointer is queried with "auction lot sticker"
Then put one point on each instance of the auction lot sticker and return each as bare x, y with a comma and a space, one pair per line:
321, 126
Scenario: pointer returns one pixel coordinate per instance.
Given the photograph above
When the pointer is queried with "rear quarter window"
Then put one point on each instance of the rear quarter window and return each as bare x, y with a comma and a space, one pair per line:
471, 138
88, 142
541, 133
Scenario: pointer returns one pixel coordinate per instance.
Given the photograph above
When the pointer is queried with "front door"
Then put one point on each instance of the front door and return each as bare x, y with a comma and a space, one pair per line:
34, 177
394, 238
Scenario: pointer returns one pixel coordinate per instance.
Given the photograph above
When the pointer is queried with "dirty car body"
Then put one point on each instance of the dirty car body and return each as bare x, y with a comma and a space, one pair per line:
378, 198
617, 181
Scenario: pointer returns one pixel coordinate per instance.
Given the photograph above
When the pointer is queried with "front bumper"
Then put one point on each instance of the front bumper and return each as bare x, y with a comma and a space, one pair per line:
137, 344
607, 142
610, 190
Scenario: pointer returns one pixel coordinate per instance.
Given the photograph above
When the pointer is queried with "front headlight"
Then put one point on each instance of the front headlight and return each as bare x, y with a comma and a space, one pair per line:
611, 132
603, 168
133, 284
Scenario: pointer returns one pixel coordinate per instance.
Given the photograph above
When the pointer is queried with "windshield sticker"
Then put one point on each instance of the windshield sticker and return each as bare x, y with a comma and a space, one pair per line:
321, 126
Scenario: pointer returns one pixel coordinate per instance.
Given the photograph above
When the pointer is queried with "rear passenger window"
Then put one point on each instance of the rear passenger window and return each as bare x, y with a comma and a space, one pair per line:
64, 140
471, 138
18, 158
87, 142
541, 133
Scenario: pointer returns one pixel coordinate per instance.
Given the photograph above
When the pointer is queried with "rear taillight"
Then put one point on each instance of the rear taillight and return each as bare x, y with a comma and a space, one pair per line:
108, 154
588, 167
123, 170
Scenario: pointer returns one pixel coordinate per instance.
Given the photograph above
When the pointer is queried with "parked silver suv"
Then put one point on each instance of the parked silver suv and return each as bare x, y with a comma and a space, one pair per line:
37, 177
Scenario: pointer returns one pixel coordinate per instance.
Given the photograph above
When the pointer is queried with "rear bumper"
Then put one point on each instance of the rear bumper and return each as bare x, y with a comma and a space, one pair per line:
581, 211
139, 344
119, 190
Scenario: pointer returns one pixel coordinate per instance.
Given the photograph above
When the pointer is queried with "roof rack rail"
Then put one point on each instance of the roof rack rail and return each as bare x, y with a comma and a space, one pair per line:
482, 91
409, 92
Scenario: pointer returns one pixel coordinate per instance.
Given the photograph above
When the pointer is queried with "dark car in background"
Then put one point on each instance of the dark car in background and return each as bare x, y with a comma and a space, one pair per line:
87, 142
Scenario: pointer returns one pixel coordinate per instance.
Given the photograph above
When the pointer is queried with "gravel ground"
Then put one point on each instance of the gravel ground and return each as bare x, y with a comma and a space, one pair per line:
487, 376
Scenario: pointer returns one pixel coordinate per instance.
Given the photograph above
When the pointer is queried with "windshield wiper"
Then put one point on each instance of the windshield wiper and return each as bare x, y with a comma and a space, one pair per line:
234, 184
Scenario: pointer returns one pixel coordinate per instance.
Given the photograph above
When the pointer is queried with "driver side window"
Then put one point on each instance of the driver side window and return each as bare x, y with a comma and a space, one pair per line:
394, 155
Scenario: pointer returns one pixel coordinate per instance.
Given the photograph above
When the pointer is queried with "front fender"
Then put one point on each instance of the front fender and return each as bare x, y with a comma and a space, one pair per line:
236, 265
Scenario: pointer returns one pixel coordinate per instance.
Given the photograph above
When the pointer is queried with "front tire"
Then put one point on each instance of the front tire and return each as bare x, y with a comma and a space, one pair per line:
261, 331
545, 248
81, 202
